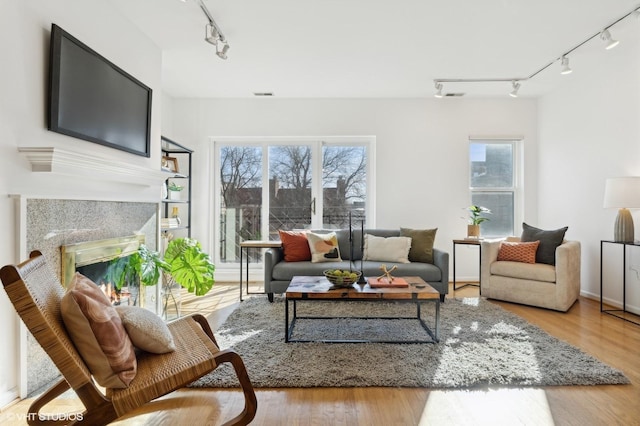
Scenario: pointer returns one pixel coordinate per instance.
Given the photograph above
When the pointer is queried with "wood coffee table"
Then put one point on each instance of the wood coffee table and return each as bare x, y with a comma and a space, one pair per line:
307, 288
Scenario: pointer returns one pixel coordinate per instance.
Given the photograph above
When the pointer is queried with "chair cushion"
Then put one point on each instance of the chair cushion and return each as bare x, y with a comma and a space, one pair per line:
390, 249
324, 247
549, 242
295, 246
146, 330
518, 252
97, 332
525, 271
421, 243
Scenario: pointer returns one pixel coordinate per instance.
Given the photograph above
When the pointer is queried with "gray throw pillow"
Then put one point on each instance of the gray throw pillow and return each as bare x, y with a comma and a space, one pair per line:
549, 242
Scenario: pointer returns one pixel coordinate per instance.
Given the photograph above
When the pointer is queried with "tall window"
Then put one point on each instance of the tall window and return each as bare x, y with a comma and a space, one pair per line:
269, 186
493, 175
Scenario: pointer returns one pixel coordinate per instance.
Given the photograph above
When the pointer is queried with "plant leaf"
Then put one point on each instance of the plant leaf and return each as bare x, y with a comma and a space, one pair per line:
190, 266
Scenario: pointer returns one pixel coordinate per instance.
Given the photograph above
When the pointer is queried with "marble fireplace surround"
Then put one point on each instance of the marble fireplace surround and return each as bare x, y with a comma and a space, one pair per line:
48, 224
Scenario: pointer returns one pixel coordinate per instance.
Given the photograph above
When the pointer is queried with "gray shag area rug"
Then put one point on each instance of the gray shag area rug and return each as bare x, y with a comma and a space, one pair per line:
481, 344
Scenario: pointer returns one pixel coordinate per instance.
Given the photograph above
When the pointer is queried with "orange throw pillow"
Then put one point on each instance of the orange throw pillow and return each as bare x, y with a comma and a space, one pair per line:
295, 246
518, 252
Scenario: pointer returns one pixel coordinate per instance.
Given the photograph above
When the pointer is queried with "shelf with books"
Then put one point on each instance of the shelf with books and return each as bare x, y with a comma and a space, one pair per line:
176, 202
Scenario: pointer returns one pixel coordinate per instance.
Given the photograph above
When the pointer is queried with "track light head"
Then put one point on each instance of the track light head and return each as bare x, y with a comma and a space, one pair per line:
222, 51
438, 93
211, 34
610, 43
565, 66
516, 86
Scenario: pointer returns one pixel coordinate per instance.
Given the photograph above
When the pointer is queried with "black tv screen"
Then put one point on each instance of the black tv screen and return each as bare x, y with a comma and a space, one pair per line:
93, 99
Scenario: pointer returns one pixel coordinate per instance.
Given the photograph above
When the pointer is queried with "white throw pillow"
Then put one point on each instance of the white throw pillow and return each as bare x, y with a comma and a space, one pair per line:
146, 330
390, 249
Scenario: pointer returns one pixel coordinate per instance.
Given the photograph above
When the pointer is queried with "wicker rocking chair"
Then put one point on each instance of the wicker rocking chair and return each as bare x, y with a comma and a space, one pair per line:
36, 293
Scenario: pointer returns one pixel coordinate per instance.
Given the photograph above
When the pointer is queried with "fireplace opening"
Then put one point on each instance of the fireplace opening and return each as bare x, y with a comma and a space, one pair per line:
101, 261
103, 274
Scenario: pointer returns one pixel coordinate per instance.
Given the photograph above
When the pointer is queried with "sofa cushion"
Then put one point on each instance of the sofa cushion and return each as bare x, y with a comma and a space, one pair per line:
295, 246
421, 243
549, 241
525, 271
426, 271
390, 249
324, 247
518, 252
285, 271
97, 332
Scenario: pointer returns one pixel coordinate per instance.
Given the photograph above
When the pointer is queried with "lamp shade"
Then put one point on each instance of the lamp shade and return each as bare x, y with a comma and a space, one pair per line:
622, 192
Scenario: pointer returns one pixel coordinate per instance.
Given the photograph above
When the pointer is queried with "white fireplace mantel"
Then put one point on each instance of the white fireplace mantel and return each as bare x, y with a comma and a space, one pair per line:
57, 160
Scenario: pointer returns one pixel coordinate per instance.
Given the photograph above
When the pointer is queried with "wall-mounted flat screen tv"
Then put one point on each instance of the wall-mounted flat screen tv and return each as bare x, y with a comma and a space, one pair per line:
93, 99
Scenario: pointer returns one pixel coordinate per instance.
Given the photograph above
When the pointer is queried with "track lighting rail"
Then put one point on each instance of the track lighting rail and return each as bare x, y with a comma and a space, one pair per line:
604, 34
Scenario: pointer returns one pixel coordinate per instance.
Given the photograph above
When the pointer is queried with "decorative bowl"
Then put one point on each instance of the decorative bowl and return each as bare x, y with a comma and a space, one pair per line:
341, 278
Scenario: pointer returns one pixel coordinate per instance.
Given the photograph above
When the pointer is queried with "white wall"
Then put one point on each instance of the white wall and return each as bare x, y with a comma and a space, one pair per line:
25, 28
421, 153
589, 131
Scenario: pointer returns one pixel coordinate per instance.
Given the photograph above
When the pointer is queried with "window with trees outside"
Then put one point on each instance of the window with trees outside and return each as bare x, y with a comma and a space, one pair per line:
269, 186
493, 183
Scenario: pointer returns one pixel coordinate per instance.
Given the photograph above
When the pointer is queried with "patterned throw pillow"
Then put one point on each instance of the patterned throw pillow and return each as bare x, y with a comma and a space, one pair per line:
518, 252
295, 246
324, 247
97, 332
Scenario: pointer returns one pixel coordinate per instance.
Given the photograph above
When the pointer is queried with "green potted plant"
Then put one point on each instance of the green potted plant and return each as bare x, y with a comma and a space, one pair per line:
174, 191
184, 262
475, 219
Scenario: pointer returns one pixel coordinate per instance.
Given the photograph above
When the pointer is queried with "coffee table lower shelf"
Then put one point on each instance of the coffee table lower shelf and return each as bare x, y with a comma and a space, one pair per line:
290, 324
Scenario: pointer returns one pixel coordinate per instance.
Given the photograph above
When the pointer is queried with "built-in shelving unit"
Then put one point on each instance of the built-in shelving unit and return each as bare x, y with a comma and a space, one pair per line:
176, 163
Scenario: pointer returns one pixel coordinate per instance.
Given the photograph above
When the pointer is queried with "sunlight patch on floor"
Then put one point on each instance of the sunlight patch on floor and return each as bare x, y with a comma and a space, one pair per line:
471, 301
460, 361
487, 407
237, 338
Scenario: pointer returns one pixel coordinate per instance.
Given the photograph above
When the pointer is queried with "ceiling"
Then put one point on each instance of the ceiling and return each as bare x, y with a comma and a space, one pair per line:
375, 48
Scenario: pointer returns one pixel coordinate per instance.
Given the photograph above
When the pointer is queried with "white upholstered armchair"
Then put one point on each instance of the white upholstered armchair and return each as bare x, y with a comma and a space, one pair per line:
537, 284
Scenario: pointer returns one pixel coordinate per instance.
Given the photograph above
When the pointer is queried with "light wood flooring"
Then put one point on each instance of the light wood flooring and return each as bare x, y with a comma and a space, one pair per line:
609, 339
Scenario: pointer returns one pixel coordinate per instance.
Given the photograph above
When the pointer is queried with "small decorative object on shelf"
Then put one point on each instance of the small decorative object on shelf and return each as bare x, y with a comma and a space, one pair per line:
170, 164
341, 278
175, 214
174, 191
475, 219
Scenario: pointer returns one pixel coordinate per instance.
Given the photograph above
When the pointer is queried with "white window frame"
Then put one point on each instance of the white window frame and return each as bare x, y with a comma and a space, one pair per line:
518, 167
228, 271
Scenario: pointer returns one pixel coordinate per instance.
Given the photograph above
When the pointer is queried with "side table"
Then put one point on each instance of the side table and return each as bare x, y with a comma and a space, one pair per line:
245, 246
618, 313
467, 242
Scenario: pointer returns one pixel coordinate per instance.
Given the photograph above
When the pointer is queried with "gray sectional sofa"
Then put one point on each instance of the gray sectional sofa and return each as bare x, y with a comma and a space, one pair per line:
278, 273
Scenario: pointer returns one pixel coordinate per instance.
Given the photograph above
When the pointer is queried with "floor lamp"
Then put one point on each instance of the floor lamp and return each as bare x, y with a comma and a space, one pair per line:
623, 193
